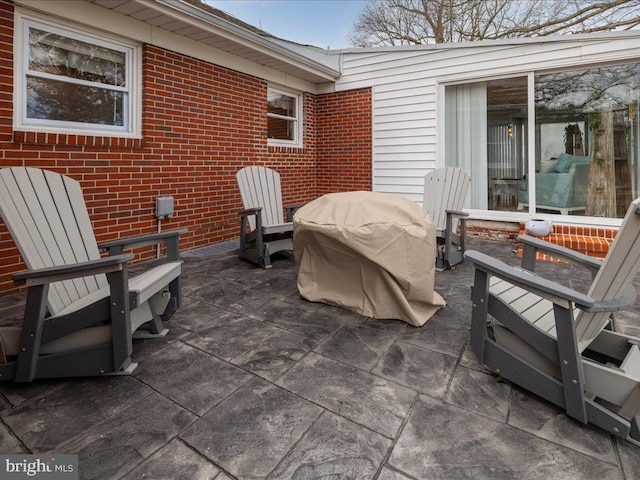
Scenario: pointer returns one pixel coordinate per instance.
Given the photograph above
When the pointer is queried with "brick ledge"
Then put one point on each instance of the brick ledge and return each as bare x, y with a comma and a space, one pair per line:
592, 241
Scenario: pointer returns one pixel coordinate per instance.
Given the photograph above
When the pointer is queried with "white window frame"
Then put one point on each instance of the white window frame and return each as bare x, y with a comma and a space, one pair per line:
297, 142
132, 108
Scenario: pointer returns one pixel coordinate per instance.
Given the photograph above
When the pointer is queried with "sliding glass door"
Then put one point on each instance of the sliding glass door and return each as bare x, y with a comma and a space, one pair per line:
486, 133
466, 138
587, 126
586, 141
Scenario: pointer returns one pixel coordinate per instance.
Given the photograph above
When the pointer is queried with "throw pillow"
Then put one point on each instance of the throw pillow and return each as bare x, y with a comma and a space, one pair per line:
564, 163
548, 166
565, 160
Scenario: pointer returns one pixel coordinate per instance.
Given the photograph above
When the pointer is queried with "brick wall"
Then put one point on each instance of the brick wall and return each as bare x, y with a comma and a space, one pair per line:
201, 123
344, 141
10, 260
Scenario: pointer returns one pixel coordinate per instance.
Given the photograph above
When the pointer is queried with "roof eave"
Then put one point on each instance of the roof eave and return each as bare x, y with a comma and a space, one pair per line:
219, 26
574, 37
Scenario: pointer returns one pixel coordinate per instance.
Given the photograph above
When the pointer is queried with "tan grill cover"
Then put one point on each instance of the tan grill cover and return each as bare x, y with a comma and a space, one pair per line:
372, 253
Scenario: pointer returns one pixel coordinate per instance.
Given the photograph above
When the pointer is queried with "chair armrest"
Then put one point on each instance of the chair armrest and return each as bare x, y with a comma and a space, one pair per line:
295, 206
43, 276
290, 210
532, 245
249, 211
142, 240
615, 304
457, 213
556, 293
170, 238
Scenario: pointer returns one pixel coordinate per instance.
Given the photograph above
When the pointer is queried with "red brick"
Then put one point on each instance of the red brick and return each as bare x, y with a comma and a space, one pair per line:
201, 123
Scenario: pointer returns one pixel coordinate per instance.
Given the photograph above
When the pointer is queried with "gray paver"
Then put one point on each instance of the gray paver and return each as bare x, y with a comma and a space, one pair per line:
254, 382
274, 355
131, 436
190, 377
424, 370
479, 392
176, 461
438, 334
50, 421
445, 442
547, 421
334, 448
372, 401
361, 346
252, 430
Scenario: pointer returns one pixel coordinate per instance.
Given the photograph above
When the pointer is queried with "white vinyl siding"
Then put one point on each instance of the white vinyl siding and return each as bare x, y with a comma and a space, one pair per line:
406, 84
403, 125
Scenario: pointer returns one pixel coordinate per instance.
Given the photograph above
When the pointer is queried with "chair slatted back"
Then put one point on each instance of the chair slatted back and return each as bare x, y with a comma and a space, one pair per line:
445, 189
615, 275
47, 217
260, 187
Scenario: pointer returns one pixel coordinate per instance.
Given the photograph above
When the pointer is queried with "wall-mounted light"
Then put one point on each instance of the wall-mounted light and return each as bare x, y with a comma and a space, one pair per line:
510, 130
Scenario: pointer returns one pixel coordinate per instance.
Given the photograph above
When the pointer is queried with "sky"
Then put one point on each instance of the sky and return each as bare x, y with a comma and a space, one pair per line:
323, 23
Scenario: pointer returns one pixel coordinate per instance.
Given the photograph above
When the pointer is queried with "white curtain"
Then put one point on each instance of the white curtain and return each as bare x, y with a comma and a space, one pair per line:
634, 150
466, 137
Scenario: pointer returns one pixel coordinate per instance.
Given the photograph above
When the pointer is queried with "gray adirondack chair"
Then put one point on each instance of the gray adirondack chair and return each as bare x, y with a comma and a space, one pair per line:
445, 190
81, 309
557, 342
263, 227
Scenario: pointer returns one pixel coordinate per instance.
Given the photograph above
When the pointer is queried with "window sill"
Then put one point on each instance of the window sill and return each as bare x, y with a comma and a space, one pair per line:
286, 149
42, 138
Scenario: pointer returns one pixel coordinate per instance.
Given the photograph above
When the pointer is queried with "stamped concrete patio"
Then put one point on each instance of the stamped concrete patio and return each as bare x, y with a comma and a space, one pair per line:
254, 382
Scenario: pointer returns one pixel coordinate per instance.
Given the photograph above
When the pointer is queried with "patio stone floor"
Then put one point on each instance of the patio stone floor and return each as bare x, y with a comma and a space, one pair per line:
254, 382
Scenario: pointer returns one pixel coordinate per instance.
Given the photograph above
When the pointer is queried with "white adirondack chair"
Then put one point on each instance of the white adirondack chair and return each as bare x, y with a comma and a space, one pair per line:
557, 342
81, 308
445, 190
263, 227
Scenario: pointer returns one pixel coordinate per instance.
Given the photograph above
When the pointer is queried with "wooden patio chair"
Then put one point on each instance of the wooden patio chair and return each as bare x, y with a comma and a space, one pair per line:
445, 190
557, 342
263, 227
81, 309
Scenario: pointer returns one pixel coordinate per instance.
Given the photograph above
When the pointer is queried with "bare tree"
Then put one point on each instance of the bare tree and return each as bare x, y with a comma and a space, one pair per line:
413, 22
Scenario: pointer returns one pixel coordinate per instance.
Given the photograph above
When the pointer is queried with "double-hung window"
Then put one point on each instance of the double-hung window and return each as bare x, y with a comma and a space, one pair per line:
73, 82
284, 118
